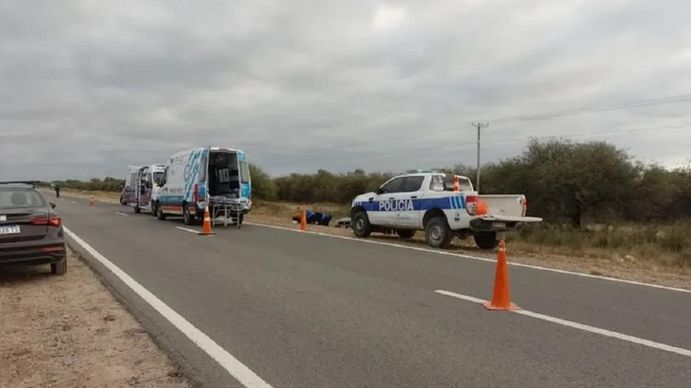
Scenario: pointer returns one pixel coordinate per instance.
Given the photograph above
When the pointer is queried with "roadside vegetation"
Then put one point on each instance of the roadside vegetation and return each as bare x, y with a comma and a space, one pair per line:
596, 199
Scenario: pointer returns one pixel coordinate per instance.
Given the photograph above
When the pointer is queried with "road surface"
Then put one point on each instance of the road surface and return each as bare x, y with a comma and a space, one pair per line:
302, 310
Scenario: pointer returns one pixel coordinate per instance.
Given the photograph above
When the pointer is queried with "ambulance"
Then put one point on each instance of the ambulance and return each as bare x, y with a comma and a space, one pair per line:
142, 187
216, 177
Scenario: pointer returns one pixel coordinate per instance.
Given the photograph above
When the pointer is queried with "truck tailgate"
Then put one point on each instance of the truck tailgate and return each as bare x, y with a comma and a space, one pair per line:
512, 205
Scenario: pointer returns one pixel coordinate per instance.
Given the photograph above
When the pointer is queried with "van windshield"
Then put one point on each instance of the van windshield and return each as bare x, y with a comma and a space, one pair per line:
224, 176
158, 177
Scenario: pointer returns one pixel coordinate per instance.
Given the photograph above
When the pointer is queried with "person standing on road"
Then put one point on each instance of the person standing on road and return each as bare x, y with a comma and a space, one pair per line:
57, 190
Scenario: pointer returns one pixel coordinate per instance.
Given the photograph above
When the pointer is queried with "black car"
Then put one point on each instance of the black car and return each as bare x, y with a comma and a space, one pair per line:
30, 230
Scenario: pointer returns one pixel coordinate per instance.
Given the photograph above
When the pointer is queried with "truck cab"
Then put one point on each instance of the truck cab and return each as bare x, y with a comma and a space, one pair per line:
442, 205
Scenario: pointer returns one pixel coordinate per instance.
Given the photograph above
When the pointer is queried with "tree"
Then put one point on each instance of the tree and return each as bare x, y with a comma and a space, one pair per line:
566, 180
263, 187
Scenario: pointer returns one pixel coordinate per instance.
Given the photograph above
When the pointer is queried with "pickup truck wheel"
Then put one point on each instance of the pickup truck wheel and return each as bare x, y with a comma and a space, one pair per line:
486, 240
159, 213
59, 268
406, 233
437, 233
361, 225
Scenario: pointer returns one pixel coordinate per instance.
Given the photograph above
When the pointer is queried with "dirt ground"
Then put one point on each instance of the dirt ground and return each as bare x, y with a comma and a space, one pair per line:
69, 331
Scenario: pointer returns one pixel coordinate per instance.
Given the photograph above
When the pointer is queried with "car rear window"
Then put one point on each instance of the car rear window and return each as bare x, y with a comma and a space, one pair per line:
20, 198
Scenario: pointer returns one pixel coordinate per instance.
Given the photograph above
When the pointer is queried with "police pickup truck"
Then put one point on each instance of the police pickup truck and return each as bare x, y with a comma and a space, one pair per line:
442, 205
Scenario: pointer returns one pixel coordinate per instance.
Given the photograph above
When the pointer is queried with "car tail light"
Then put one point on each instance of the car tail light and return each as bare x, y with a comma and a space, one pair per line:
195, 193
471, 204
49, 220
524, 202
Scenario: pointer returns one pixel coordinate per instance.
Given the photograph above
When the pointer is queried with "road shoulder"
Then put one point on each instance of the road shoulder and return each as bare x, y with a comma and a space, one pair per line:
70, 331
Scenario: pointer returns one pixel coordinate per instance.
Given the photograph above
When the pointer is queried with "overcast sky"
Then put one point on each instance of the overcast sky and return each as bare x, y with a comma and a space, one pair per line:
88, 87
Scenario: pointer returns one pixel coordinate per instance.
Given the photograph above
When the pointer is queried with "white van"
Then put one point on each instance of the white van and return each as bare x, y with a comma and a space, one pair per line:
142, 187
214, 176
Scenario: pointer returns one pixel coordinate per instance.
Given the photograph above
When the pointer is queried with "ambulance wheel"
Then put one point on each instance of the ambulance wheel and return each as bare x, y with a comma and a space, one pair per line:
360, 224
486, 240
187, 217
406, 233
437, 232
159, 213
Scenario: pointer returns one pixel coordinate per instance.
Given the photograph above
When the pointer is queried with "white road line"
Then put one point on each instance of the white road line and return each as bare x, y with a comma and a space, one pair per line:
580, 326
73, 202
187, 229
121, 214
446, 253
231, 364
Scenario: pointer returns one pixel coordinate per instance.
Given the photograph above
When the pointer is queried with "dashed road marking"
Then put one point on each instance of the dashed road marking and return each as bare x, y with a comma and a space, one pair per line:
187, 229
579, 326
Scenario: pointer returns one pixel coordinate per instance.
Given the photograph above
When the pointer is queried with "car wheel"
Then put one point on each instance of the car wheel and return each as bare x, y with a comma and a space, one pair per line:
437, 233
486, 240
360, 224
406, 234
60, 267
187, 217
159, 213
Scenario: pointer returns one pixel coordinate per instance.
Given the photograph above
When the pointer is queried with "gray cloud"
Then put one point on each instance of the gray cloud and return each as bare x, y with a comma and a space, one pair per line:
90, 87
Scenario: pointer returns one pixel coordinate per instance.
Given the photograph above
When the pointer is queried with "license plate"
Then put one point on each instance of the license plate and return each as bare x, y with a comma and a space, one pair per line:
12, 229
500, 225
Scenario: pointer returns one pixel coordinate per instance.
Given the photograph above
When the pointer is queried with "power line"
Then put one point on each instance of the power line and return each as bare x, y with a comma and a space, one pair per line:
594, 108
468, 144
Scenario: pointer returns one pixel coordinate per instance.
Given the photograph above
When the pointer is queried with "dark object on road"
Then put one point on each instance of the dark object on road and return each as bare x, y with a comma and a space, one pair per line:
315, 218
343, 222
30, 229
57, 191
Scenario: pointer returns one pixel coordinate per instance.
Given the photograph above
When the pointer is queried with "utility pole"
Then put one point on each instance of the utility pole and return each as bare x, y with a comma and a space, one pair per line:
479, 126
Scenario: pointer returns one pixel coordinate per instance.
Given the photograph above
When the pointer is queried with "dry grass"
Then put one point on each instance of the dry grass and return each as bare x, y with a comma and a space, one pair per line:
662, 244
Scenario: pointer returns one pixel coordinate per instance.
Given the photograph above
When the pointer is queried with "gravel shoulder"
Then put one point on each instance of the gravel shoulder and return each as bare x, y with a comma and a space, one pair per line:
69, 331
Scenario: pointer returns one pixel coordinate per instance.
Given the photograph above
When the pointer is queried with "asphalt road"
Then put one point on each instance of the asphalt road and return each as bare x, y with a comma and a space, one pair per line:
302, 310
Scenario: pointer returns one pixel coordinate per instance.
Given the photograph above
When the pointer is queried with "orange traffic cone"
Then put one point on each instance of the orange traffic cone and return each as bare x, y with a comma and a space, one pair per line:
206, 227
91, 201
501, 298
303, 219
